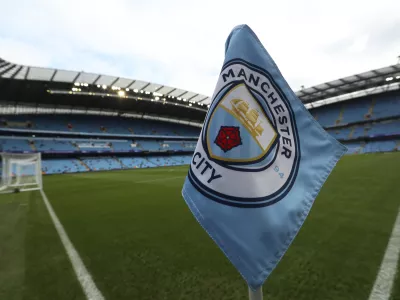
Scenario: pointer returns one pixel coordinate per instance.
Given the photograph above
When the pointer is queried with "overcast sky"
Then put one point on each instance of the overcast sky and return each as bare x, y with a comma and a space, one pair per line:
181, 42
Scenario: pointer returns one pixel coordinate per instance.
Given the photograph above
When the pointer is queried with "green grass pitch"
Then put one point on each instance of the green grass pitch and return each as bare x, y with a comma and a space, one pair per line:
139, 240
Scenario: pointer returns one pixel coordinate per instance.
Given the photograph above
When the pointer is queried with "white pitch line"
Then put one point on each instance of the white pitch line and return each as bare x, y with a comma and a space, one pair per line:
85, 279
384, 281
158, 179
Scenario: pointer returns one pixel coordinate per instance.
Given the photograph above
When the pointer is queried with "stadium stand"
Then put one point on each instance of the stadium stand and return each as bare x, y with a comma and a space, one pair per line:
79, 122
387, 106
123, 146
11, 145
102, 163
52, 145
105, 152
370, 124
364, 125
96, 124
386, 127
57, 166
368, 108
326, 115
49, 145
354, 111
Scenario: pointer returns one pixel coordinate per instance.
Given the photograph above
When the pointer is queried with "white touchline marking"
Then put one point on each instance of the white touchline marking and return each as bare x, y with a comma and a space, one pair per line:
387, 272
85, 279
158, 179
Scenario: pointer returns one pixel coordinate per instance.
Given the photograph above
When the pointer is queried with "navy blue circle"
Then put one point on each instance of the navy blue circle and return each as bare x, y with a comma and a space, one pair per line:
258, 201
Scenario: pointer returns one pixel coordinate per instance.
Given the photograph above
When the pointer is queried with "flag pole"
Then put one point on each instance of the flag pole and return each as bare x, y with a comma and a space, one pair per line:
255, 295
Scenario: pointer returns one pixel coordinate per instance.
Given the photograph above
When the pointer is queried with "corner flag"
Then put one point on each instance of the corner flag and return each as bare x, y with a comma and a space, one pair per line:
260, 161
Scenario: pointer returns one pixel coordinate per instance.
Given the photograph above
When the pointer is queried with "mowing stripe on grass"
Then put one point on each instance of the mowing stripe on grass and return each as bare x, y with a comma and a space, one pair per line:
159, 179
387, 272
85, 279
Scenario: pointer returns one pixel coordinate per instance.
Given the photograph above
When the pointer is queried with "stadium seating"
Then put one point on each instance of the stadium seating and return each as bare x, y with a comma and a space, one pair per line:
178, 145
58, 166
149, 145
387, 106
373, 129
326, 115
66, 145
182, 160
372, 146
379, 117
369, 108
163, 161
97, 124
340, 134
53, 145
102, 163
385, 128
354, 111
358, 131
173, 145
133, 163
122, 146
352, 148
89, 145
381, 146
14, 145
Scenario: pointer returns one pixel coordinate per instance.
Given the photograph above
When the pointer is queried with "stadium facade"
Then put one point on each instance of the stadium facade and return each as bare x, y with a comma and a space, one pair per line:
89, 122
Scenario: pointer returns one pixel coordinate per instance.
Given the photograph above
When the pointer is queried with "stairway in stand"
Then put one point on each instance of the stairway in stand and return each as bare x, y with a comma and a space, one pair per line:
83, 164
351, 132
75, 146
153, 163
32, 145
340, 118
121, 163
361, 149
397, 146
368, 115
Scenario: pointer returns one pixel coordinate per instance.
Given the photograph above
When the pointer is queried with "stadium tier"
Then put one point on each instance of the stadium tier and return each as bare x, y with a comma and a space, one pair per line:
372, 129
82, 122
369, 108
107, 163
96, 125
365, 125
60, 145
54, 136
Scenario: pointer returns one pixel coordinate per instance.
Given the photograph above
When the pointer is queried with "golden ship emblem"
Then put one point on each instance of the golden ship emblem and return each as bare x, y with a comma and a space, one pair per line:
248, 117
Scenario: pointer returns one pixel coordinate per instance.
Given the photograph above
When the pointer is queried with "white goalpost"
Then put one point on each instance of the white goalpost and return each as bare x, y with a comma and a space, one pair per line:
20, 172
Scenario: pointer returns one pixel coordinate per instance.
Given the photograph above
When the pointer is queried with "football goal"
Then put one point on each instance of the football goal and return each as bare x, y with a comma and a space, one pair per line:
20, 172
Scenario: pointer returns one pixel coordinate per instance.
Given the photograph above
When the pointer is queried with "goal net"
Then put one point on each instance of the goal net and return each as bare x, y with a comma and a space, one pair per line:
20, 172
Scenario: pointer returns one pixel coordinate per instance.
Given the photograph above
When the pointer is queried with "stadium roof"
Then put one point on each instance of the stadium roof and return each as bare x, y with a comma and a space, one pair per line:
350, 84
21, 72
347, 85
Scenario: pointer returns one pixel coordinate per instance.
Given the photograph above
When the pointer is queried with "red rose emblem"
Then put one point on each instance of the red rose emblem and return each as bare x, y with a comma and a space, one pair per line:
228, 137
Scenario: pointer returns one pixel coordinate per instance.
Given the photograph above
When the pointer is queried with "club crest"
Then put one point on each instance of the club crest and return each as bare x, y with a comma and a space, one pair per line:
239, 122
249, 139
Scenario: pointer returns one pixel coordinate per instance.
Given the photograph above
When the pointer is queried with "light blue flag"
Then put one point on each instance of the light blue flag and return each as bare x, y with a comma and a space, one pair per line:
259, 163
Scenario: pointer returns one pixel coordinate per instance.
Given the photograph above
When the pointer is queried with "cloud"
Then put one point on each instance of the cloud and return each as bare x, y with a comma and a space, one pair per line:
181, 43
359, 44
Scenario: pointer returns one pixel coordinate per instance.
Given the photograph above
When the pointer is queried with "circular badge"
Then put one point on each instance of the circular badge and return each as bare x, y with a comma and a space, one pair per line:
248, 152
